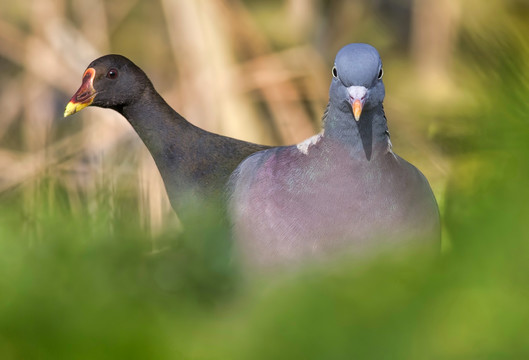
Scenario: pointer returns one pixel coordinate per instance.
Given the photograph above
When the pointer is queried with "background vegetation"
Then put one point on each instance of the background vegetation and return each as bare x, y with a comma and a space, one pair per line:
92, 261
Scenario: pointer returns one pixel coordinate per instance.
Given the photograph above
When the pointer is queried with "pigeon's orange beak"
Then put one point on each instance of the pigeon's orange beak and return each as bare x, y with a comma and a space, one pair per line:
84, 96
357, 109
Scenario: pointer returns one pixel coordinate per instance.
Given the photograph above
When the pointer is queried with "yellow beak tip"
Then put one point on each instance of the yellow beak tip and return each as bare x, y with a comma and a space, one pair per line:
72, 108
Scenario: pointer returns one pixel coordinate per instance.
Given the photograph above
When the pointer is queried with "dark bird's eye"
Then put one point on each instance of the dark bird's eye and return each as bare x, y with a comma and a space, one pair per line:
334, 72
112, 74
380, 73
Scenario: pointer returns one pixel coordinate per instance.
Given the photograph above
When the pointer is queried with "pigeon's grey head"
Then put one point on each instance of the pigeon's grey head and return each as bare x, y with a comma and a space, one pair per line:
357, 79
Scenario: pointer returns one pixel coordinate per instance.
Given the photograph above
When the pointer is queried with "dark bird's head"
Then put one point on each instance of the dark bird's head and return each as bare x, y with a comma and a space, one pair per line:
111, 81
357, 79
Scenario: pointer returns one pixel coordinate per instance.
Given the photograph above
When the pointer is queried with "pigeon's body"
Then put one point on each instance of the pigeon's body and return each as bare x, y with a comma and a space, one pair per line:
342, 190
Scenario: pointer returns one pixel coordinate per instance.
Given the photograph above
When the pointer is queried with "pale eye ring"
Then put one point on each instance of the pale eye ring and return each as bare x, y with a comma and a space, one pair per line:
334, 72
380, 73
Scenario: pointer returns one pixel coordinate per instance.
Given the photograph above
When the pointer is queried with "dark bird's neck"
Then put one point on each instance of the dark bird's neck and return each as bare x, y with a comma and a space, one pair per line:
366, 138
171, 140
155, 121
194, 164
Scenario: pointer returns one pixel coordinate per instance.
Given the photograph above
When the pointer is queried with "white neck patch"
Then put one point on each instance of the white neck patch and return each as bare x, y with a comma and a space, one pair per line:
303, 147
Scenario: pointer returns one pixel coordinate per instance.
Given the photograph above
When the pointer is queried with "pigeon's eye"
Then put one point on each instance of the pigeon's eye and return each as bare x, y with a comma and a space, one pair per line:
112, 74
334, 72
380, 73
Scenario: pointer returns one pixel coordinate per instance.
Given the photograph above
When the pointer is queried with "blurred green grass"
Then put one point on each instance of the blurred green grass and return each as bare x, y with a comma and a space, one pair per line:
71, 288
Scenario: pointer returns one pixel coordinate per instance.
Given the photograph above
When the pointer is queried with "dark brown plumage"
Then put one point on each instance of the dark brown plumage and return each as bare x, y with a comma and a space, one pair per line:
195, 164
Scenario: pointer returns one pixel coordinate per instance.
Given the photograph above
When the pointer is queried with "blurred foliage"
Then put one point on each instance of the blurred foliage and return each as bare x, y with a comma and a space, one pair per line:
93, 282
74, 288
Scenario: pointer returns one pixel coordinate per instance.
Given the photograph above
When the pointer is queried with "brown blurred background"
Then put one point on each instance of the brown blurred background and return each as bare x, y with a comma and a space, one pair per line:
254, 70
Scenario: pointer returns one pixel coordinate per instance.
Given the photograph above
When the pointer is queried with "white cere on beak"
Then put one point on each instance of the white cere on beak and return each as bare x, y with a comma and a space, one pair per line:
357, 93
